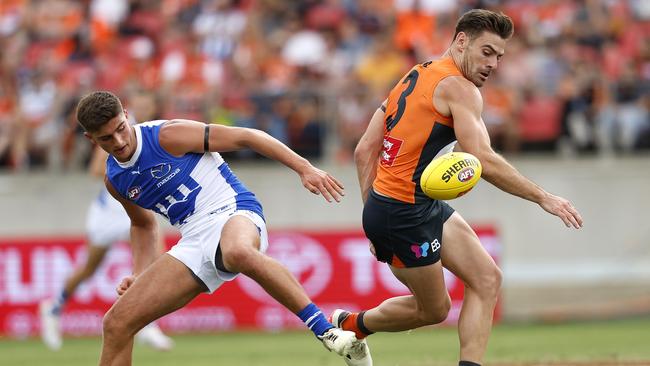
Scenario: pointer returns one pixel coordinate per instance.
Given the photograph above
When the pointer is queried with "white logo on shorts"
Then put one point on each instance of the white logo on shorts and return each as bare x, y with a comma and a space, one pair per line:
435, 245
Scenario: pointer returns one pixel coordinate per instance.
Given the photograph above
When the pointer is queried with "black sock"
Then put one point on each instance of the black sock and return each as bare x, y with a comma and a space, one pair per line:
468, 363
361, 326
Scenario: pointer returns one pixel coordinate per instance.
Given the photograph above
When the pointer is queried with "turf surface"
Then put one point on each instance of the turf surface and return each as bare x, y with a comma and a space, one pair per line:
593, 343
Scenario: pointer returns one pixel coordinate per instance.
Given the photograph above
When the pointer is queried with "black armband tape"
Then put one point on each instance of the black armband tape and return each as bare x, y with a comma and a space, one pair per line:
206, 139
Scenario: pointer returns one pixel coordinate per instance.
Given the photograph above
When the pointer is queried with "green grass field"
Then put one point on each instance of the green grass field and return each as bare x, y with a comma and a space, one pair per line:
611, 343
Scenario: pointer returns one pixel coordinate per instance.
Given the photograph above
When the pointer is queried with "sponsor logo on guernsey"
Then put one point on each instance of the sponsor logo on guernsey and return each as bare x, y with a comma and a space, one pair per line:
458, 166
134, 192
390, 150
160, 170
222, 209
168, 178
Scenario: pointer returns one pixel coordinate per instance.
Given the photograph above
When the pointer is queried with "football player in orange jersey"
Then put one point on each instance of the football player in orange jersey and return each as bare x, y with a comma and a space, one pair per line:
435, 108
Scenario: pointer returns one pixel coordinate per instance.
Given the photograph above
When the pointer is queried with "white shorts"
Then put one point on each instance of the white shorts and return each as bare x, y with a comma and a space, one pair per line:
200, 238
107, 222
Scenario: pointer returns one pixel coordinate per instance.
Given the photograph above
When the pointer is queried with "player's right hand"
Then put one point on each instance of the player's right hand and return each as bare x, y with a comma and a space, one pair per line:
563, 209
320, 182
125, 284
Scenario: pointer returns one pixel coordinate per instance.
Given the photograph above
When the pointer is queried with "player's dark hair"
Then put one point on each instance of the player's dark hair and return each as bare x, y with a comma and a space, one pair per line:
96, 109
476, 21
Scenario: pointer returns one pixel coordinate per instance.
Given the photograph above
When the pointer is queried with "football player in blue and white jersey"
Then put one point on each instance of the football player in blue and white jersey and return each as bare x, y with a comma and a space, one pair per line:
174, 168
106, 224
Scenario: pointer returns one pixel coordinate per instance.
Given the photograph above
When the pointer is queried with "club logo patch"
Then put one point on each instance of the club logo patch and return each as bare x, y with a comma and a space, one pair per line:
134, 192
160, 170
390, 150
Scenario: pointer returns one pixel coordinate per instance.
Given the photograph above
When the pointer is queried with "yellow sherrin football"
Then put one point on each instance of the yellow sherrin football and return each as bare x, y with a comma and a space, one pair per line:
450, 175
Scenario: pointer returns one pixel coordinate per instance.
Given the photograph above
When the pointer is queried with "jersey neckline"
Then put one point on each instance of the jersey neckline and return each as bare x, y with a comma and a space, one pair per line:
136, 154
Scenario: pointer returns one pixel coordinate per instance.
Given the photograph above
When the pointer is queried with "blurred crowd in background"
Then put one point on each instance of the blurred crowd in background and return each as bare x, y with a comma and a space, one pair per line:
575, 78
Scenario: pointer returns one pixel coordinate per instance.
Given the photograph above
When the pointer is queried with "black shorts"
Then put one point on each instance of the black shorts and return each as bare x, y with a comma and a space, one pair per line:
405, 234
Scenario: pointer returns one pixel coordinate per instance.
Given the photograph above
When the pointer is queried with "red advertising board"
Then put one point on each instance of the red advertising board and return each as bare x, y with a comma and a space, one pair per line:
335, 268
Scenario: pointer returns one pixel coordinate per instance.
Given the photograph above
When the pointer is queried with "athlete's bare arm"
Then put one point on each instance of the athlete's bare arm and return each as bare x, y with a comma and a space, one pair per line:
366, 154
144, 231
181, 136
460, 98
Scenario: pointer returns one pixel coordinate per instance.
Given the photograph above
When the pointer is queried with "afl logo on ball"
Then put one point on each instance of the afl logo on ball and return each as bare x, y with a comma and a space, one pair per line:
465, 174
134, 193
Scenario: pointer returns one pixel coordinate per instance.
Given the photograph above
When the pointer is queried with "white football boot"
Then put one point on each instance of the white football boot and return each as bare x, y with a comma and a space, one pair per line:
338, 340
359, 353
152, 336
50, 326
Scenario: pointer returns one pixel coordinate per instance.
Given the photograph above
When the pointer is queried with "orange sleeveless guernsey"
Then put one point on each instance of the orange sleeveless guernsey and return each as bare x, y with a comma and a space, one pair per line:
414, 131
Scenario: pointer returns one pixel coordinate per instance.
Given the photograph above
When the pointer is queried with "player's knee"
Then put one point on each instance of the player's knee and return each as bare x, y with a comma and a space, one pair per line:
117, 324
490, 284
495, 281
239, 258
436, 313
112, 325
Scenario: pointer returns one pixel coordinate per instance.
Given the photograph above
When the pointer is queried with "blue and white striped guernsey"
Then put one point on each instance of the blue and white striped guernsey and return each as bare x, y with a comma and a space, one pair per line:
177, 187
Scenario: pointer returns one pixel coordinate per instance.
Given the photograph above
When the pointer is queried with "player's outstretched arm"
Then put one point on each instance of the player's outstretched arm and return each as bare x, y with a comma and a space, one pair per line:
144, 232
464, 102
366, 154
180, 137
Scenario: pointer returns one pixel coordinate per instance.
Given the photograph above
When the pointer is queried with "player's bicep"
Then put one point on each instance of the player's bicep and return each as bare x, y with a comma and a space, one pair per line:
139, 216
470, 131
465, 105
181, 136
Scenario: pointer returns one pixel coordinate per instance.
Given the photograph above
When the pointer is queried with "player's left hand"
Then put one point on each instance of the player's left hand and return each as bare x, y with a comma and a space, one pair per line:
125, 284
563, 209
320, 182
